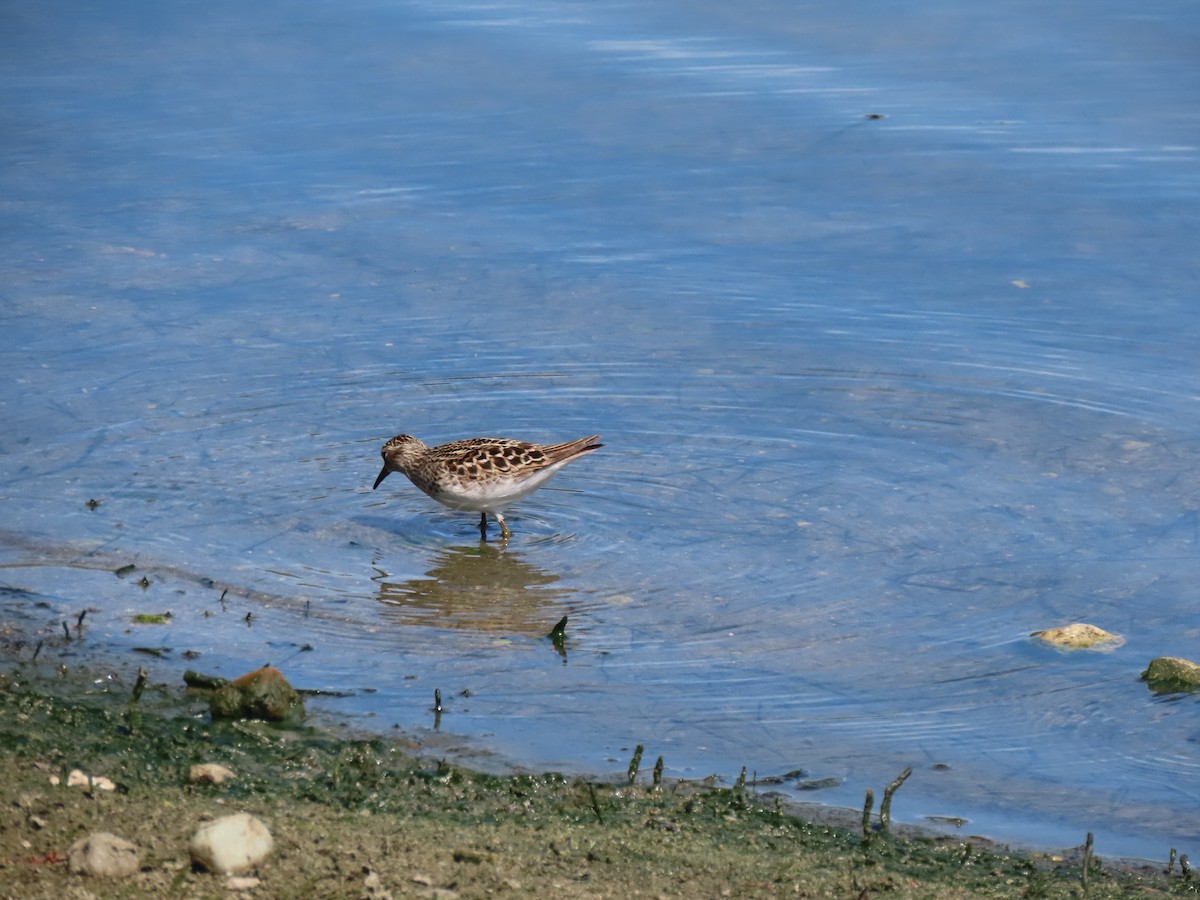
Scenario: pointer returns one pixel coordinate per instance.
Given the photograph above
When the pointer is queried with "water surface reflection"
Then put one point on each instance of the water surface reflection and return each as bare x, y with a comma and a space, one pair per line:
481, 588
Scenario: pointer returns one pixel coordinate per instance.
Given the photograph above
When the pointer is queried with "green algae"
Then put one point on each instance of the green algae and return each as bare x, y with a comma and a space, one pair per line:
340, 806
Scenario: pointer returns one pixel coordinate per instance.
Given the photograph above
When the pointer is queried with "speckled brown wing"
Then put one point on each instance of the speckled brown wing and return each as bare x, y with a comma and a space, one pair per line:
570, 449
483, 459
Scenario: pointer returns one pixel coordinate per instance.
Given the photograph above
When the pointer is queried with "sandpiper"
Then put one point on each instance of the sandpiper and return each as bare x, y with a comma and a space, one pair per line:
484, 475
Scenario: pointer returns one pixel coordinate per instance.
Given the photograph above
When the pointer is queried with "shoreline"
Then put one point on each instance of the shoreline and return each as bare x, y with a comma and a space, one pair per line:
82, 623
358, 815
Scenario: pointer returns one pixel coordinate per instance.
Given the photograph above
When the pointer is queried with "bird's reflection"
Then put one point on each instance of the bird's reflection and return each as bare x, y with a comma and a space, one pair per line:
482, 588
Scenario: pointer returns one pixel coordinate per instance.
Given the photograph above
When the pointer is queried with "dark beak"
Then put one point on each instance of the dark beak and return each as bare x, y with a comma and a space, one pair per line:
382, 475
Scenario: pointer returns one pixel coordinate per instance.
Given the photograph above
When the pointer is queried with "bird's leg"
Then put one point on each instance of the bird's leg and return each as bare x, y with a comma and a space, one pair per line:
504, 532
483, 526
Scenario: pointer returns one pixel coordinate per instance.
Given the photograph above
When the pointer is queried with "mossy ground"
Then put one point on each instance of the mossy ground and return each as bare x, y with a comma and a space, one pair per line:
367, 818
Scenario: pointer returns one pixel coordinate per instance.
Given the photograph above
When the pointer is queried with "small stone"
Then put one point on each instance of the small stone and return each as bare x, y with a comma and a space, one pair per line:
1169, 674
210, 773
1080, 636
242, 883
373, 888
231, 844
77, 778
103, 855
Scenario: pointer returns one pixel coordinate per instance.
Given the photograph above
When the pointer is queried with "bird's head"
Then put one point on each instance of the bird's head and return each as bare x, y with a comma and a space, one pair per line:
399, 455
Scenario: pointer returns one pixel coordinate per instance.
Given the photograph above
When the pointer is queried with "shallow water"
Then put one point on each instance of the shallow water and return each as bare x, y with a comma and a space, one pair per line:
880, 396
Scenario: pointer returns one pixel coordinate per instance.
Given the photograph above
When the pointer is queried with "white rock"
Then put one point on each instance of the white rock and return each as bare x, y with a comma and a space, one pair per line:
77, 778
231, 844
209, 773
104, 855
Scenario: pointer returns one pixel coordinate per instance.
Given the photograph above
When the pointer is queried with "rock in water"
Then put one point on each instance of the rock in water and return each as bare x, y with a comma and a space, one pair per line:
261, 694
1080, 636
104, 855
231, 844
1169, 674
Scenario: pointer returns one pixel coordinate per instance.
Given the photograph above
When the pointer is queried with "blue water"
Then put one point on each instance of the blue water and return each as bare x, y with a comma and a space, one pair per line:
887, 315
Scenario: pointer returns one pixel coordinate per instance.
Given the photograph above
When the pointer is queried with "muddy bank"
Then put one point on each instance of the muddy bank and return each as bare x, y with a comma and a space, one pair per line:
366, 817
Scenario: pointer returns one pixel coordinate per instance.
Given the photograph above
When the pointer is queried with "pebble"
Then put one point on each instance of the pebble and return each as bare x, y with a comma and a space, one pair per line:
77, 778
210, 773
242, 883
231, 844
104, 855
373, 888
